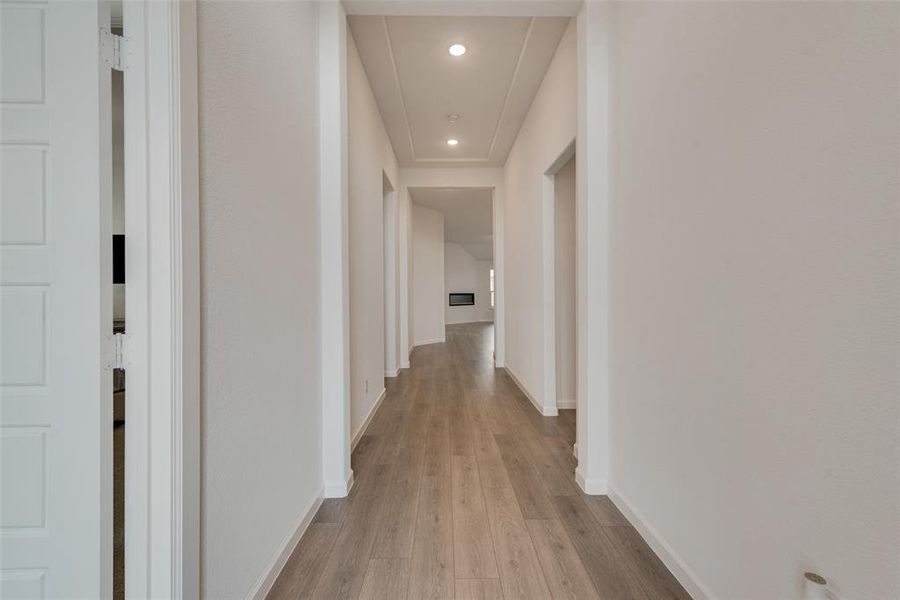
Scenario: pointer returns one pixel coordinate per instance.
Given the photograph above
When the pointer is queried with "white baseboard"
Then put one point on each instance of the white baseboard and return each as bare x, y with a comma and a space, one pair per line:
392, 374
663, 550
267, 580
359, 433
575, 449
547, 411
427, 342
591, 487
566, 404
339, 489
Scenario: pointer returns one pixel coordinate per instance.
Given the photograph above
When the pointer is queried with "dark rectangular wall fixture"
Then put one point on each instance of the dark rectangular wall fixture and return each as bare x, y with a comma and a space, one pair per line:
118, 258
462, 299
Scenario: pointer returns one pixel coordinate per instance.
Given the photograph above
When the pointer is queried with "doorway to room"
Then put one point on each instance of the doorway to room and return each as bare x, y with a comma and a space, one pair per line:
560, 293
118, 326
564, 285
389, 242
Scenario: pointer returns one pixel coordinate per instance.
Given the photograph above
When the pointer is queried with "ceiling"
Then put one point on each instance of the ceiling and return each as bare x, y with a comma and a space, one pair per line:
418, 84
468, 217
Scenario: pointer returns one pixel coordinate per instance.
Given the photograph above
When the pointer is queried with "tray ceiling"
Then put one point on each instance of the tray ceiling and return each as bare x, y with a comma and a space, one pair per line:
419, 85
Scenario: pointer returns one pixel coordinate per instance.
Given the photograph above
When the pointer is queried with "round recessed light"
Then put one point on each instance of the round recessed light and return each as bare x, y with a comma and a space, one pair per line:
452, 142
457, 49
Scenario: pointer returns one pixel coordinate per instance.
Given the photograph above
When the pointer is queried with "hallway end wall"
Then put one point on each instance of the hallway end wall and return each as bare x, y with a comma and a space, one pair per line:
463, 273
548, 130
754, 415
370, 157
259, 259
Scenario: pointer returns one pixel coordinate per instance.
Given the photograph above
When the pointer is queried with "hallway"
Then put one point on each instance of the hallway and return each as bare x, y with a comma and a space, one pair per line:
464, 491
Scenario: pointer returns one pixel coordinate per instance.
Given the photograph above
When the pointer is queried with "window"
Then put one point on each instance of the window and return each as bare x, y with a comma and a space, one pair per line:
492, 288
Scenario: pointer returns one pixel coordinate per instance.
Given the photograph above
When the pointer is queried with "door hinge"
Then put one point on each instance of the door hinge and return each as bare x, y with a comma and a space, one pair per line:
115, 50
118, 351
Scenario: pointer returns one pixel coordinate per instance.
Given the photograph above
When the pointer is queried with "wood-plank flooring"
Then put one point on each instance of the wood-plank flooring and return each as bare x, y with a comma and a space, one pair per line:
463, 491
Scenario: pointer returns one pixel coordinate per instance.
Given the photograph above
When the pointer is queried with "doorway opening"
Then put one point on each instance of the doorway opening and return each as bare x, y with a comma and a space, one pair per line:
455, 149
389, 242
564, 283
453, 260
118, 313
560, 293
564, 294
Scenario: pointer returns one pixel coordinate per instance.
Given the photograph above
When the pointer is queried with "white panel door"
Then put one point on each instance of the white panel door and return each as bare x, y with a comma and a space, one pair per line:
55, 300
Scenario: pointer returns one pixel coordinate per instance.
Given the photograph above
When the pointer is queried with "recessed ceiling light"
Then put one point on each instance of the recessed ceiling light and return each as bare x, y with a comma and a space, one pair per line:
457, 49
452, 142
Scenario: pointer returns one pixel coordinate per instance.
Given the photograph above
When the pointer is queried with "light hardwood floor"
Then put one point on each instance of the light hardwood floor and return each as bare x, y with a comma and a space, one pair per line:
464, 491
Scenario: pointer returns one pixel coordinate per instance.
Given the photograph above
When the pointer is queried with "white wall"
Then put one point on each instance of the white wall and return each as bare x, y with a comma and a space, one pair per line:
261, 423
428, 275
369, 157
462, 273
755, 414
547, 131
564, 272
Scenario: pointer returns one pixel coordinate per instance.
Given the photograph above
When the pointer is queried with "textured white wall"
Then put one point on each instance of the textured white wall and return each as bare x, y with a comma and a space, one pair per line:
547, 131
755, 414
461, 275
428, 275
369, 156
564, 271
259, 267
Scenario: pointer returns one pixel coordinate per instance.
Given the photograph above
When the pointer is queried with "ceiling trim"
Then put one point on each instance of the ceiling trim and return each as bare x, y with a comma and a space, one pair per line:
387, 38
451, 160
464, 8
457, 188
512, 83
409, 135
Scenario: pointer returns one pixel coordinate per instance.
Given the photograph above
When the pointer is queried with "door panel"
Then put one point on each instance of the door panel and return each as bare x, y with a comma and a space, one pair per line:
55, 302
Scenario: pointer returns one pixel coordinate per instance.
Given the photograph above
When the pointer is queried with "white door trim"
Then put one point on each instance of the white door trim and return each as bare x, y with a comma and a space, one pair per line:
162, 482
335, 250
592, 217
